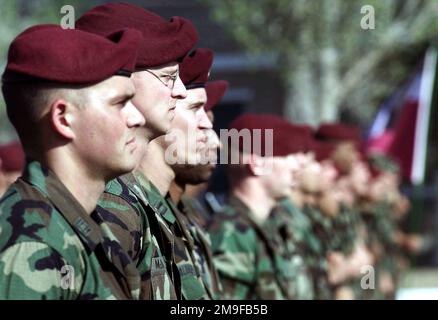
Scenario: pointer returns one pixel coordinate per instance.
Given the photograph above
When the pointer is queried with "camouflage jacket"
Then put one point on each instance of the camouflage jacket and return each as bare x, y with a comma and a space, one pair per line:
202, 248
337, 233
149, 229
198, 210
247, 261
291, 231
322, 229
50, 248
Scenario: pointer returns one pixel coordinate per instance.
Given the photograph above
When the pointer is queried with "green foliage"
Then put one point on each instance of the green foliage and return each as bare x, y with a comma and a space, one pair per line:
327, 36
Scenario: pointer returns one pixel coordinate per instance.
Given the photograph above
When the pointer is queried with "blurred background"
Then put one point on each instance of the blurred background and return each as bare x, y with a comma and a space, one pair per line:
313, 62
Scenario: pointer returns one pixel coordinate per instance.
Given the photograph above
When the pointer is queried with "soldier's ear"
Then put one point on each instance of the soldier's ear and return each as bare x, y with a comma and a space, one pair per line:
61, 118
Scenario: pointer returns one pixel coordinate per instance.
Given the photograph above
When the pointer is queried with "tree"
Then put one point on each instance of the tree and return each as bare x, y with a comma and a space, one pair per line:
328, 61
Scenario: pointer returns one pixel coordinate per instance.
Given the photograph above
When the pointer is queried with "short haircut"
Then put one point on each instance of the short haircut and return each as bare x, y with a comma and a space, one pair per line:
27, 103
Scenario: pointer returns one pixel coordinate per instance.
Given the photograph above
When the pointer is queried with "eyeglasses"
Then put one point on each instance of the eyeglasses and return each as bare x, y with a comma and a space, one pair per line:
170, 83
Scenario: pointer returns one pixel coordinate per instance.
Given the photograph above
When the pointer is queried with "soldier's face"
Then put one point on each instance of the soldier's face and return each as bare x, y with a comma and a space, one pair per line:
360, 177
156, 100
189, 127
310, 177
279, 180
196, 174
105, 128
344, 156
328, 175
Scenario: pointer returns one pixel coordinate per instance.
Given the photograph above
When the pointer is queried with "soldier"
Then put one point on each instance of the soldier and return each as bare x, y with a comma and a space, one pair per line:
132, 207
195, 70
246, 257
348, 251
382, 209
190, 183
77, 125
309, 225
289, 227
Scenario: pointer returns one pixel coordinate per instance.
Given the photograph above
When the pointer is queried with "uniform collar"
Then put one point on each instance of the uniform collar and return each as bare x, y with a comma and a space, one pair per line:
50, 186
148, 192
245, 211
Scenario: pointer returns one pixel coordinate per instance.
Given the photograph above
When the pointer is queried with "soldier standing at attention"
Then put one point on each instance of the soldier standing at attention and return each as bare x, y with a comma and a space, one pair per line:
195, 69
191, 183
183, 145
132, 206
289, 226
248, 262
73, 114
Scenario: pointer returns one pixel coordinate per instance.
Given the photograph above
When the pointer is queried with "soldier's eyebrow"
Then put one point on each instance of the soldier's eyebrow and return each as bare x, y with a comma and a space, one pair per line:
123, 97
169, 70
197, 105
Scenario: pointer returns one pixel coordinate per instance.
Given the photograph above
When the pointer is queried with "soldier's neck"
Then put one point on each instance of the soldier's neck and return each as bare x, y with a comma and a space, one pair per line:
176, 191
155, 168
255, 197
86, 184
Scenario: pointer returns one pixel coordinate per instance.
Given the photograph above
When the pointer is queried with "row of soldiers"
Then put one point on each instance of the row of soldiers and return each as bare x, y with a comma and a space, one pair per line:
322, 223
105, 114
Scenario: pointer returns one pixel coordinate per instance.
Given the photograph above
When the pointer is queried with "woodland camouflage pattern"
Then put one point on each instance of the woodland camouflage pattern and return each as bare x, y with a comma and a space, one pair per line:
291, 232
202, 248
247, 263
43, 230
148, 228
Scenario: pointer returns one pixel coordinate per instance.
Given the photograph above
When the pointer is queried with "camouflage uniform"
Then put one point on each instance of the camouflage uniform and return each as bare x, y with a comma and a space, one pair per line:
246, 259
381, 231
348, 226
202, 254
340, 233
322, 229
44, 232
202, 207
149, 229
310, 245
285, 228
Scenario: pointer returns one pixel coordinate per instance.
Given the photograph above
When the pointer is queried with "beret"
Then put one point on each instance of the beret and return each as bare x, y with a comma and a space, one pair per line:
195, 68
338, 132
294, 138
321, 149
50, 53
162, 41
287, 138
215, 91
12, 157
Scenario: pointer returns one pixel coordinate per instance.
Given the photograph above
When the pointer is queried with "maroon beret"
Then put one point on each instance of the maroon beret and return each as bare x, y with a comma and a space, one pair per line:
281, 132
163, 41
215, 91
12, 157
294, 138
195, 68
322, 150
338, 132
50, 53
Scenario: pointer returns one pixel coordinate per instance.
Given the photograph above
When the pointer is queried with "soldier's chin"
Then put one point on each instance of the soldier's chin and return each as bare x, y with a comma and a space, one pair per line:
120, 170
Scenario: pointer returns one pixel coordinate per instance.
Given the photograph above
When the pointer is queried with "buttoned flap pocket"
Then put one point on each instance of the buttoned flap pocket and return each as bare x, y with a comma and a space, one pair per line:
192, 287
162, 285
